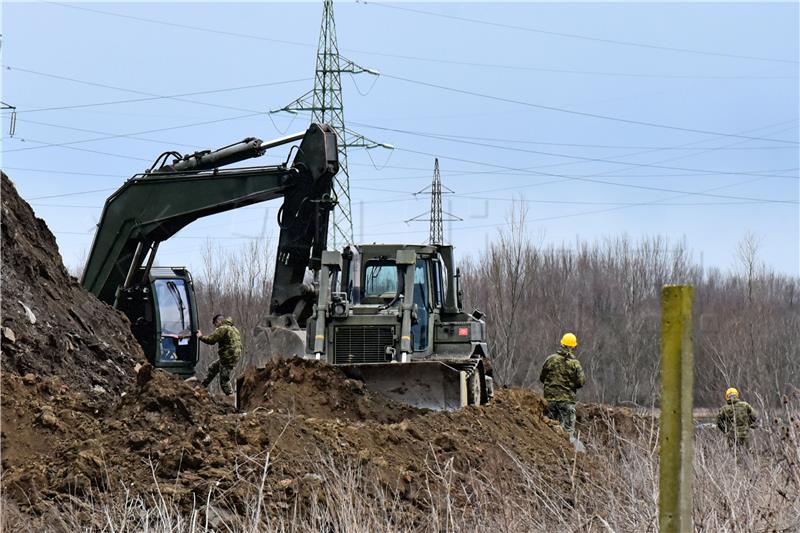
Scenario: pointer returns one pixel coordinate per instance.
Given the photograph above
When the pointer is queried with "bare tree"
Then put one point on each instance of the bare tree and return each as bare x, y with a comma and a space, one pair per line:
747, 257
747, 321
507, 273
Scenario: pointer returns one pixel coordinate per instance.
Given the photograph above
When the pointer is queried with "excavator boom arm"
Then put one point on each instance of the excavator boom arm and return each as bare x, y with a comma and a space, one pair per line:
151, 207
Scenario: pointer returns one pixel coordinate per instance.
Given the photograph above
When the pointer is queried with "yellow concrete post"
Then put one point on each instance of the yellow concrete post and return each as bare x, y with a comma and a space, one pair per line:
676, 438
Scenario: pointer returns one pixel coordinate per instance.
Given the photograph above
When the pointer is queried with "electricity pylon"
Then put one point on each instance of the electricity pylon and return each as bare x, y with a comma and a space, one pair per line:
326, 105
436, 216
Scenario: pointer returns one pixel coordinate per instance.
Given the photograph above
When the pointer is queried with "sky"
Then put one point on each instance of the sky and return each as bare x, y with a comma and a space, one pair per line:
670, 119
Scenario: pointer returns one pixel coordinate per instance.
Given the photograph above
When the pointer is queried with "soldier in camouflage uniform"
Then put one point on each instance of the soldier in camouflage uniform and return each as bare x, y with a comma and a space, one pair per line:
230, 349
562, 376
735, 419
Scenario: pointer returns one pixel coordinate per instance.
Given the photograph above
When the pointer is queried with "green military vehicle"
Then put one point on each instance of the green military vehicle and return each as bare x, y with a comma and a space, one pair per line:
391, 315
387, 314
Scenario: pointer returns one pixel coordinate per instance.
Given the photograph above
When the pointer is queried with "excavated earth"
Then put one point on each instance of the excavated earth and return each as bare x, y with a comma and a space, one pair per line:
84, 416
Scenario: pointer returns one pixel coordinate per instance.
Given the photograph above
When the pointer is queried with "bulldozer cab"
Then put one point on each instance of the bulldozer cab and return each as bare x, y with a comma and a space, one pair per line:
390, 316
163, 316
381, 285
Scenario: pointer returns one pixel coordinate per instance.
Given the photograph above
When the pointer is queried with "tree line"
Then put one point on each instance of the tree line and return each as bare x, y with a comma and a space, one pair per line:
607, 292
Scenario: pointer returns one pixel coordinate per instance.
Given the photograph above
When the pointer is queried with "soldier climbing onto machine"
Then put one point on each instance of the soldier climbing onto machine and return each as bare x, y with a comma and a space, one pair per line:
229, 342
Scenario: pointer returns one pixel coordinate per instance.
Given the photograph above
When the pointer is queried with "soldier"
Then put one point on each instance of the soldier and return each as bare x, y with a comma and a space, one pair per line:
562, 376
735, 418
230, 349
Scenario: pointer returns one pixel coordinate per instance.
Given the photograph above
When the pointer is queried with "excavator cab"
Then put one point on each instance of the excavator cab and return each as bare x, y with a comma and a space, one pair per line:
163, 316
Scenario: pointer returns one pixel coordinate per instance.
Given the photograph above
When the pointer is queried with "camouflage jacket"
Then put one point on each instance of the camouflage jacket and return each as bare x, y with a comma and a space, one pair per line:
562, 376
229, 341
737, 416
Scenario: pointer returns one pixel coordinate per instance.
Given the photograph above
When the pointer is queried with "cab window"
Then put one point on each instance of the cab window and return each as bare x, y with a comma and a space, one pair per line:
380, 279
419, 331
176, 322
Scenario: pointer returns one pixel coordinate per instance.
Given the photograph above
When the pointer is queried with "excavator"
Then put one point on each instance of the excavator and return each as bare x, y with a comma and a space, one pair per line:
389, 315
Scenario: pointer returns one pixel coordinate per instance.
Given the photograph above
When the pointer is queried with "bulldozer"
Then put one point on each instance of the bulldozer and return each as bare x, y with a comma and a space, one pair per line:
389, 315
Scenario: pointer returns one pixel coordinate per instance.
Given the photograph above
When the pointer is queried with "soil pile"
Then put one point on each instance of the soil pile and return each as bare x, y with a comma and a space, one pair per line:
50, 325
312, 389
166, 437
79, 422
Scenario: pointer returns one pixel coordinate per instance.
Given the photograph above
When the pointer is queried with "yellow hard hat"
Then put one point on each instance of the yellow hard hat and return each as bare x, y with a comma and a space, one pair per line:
569, 339
731, 392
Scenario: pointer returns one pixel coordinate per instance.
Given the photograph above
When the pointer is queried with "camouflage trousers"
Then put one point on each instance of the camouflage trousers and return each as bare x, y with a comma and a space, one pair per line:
224, 371
740, 439
564, 413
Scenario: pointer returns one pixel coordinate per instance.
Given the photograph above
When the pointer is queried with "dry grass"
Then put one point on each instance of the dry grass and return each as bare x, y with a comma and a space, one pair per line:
757, 490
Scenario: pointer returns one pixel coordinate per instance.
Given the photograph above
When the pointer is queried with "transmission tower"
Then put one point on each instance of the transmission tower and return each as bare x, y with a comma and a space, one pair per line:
436, 217
326, 105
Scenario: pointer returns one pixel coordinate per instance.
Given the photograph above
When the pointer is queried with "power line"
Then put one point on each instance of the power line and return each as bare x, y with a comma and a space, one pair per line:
423, 59
525, 171
558, 201
124, 135
66, 206
456, 172
591, 180
627, 169
408, 80
609, 173
45, 144
546, 201
575, 72
465, 172
569, 156
583, 213
72, 128
610, 146
621, 205
64, 195
581, 37
179, 25
149, 96
581, 113
59, 171
704, 150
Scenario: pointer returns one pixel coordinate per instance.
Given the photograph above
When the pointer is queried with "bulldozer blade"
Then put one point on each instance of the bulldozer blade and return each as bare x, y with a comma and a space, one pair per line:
423, 384
275, 341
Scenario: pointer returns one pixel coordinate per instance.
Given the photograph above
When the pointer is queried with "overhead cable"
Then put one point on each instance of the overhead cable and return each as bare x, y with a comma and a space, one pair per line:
581, 113
581, 36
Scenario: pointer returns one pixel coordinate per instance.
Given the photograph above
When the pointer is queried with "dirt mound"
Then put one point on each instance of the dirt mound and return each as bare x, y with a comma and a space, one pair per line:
314, 389
50, 325
79, 423
68, 445
164, 436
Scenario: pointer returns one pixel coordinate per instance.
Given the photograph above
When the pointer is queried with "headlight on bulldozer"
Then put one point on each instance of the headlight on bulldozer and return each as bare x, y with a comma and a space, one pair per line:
339, 306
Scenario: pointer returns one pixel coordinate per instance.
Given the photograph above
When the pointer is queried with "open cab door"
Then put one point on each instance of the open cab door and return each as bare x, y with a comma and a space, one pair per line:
163, 316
